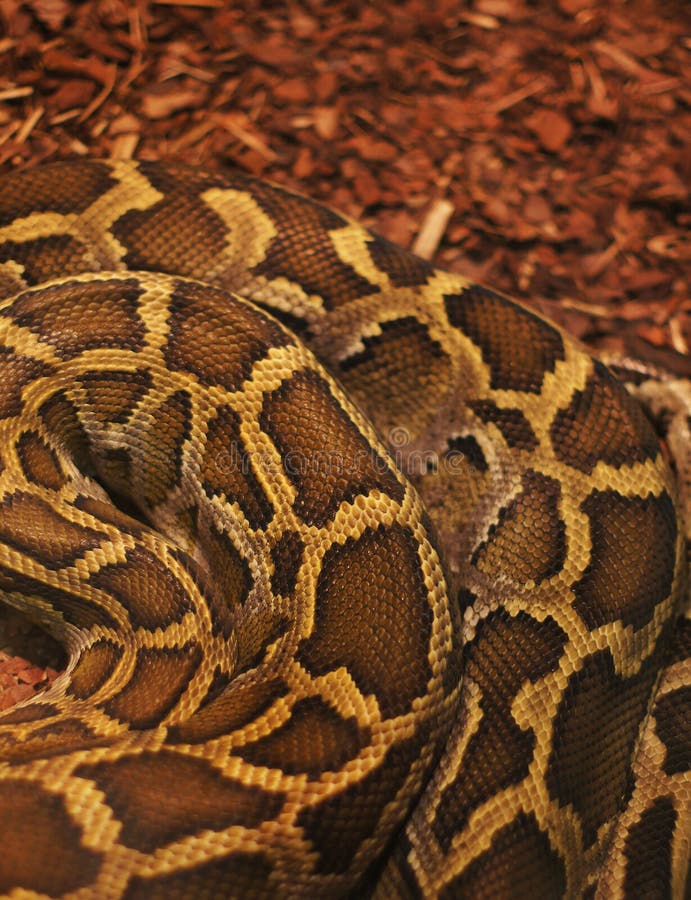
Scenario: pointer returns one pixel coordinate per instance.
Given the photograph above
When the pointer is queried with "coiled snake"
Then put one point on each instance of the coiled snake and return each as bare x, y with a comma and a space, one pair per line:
305, 660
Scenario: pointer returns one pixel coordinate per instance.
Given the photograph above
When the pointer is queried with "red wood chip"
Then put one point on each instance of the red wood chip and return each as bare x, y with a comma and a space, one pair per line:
552, 128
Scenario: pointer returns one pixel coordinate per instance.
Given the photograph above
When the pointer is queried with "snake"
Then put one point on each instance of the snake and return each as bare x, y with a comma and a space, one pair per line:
371, 580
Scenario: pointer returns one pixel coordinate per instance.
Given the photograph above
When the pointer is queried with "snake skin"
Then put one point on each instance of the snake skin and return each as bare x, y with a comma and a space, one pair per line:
377, 595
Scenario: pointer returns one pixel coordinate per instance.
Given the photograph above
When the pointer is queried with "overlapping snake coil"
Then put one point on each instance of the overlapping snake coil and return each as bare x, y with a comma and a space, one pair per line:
402, 622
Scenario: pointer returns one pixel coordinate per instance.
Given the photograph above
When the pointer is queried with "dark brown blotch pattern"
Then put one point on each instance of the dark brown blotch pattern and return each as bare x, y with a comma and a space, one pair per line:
468, 448
178, 233
170, 670
229, 580
164, 796
680, 648
227, 470
403, 268
303, 251
338, 825
147, 589
60, 188
83, 612
19, 715
602, 423
202, 320
80, 316
113, 395
632, 561
219, 683
236, 876
61, 417
115, 470
57, 739
313, 740
648, 852
517, 346
505, 654
595, 729
39, 462
528, 542
40, 833
373, 617
286, 558
520, 849
34, 527
673, 727
520, 862
398, 877
160, 468
512, 423
109, 514
241, 703
323, 452
45, 258
16, 371
402, 344
95, 666
256, 635
395, 369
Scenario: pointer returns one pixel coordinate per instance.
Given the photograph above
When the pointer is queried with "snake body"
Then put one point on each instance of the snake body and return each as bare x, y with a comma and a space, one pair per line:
368, 575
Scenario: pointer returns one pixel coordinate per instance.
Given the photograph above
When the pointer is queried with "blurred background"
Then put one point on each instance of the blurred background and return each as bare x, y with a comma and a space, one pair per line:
547, 141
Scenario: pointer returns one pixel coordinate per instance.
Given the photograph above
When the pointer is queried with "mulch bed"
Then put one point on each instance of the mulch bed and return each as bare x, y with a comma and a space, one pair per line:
541, 148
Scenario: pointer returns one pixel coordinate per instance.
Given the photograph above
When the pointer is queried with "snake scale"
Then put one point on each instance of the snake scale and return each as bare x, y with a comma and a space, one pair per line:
370, 578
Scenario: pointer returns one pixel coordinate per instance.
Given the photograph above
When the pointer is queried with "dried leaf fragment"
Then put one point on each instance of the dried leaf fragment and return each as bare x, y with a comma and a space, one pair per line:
160, 102
551, 128
51, 12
